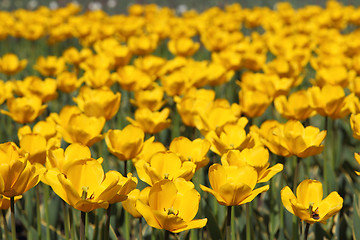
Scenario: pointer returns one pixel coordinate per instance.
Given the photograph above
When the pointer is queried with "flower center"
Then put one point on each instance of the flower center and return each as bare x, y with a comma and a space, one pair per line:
171, 211
314, 214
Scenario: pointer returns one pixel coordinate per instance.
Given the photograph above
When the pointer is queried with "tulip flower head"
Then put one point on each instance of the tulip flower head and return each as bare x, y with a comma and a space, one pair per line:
172, 205
233, 185
308, 204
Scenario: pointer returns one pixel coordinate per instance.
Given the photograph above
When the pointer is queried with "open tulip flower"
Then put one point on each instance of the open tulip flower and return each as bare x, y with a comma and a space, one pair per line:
297, 106
125, 144
130, 203
233, 185
24, 109
98, 102
10, 64
149, 149
230, 136
83, 129
50, 66
292, 138
164, 165
257, 157
85, 187
194, 151
151, 122
308, 204
172, 205
330, 101
17, 174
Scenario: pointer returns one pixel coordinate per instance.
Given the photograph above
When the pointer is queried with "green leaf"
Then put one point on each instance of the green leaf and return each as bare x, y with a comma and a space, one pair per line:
356, 218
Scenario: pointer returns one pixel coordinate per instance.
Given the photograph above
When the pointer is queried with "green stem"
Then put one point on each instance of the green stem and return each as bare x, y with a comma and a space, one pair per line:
127, 225
140, 229
72, 224
248, 221
13, 227
38, 214
296, 174
6, 232
82, 226
107, 224
228, 223
167, 235
66, 220
326, 158
96, 223
306, 231
46, 206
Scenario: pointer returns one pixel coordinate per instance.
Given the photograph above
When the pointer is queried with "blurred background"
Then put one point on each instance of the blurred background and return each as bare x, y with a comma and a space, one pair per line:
120, 6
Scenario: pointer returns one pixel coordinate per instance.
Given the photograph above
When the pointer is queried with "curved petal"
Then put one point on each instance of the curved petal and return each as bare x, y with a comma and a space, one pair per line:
286, 197
254, 193
147, 213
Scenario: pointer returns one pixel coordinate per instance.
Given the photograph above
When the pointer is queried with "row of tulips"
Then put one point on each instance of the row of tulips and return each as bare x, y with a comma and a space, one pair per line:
187, 106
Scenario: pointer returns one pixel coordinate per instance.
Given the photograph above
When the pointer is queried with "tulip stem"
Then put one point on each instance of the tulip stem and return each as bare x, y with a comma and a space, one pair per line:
167, 235
296, 173
13, 227
66, 221
228, 222
306, 231
96, 224
46, 206
326, 157
140, 229
248, 221
6, 232
107, 224
38, 215
82, 226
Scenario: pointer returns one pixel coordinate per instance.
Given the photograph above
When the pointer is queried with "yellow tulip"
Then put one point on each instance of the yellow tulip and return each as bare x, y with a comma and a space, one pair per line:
128, 78
143, 44
308, 204
185, 47
149, 121
125, 144
17, 174
232, 185
172, 206
99, 77
97, 62
194, 103
60, 159
150, 65
98, 102
357, 158
335, 75
149, 148
230, 136
35, 145
194, 151
85, 186
149, 98
50, 66
10, 64
253, 103
296, 107
74, 56
130, 203
257, 157
43, 89
329, 101
355, 125
303, 142
83, 129
24, 109
68, 82
218, 74
164, 165
176, 83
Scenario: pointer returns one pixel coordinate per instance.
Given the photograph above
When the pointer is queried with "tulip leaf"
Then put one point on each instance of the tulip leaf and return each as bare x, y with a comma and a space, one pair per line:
212, 225
356, 218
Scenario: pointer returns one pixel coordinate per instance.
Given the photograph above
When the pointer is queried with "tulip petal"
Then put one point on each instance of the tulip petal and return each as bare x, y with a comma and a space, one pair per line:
254, 193
146, 212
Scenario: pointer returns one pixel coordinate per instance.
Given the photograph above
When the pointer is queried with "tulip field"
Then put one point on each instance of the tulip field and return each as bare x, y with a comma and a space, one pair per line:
231, 122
